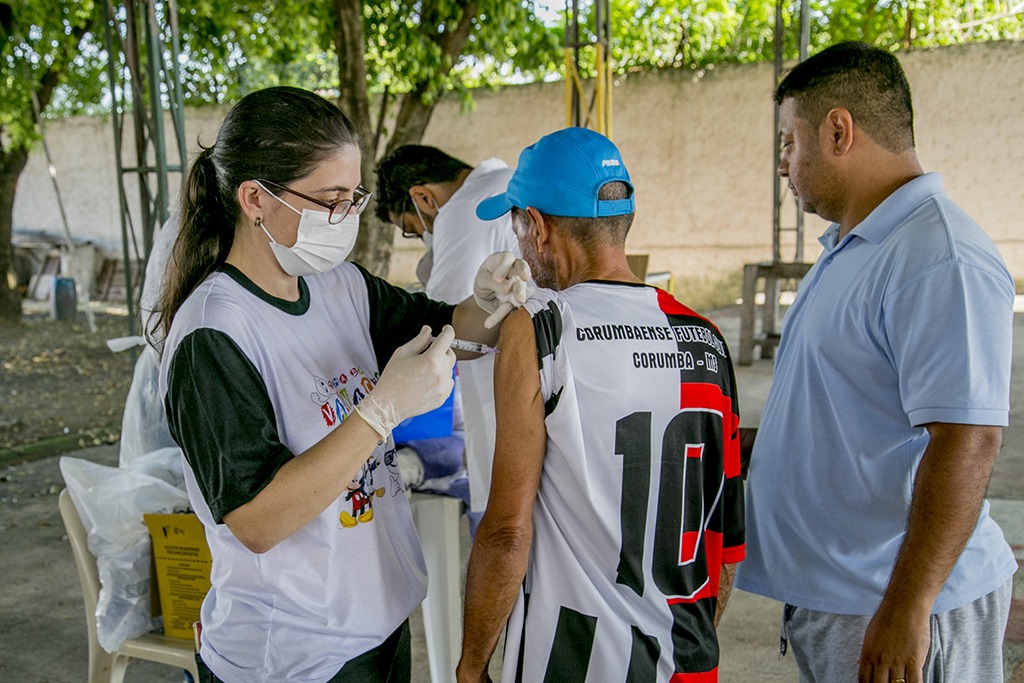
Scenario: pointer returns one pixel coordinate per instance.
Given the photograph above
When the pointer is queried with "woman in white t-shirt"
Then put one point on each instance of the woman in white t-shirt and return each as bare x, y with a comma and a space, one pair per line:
284, 371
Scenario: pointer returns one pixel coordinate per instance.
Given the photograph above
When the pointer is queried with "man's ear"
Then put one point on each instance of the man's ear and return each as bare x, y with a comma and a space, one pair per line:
542, 231
837, 131
424, 199
250, 200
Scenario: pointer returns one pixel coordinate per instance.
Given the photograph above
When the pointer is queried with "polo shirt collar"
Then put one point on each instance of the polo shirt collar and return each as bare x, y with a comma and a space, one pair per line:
891, 213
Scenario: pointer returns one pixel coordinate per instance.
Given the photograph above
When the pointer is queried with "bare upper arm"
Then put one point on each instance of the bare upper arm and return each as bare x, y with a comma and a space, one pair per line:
521, 437
974, 440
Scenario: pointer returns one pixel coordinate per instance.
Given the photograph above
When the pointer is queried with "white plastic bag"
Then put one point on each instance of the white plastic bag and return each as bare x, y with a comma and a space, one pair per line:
111, 502
144, 425
165, 464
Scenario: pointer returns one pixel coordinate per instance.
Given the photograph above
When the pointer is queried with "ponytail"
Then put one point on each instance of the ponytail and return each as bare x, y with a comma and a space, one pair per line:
204, 239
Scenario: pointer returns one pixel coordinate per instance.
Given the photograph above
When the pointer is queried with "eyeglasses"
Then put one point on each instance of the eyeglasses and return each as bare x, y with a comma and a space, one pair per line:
405, 233
340, 208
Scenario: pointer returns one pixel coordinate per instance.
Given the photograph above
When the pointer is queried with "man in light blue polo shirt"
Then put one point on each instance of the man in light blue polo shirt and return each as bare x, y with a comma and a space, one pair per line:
866, 492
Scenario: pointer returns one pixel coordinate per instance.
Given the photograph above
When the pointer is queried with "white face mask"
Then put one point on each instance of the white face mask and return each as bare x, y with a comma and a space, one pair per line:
319, 246
427, 236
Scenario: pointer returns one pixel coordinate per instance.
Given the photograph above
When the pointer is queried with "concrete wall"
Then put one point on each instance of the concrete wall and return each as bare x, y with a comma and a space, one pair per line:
698, 145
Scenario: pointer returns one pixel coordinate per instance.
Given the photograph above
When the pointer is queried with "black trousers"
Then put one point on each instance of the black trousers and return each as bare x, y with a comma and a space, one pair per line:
389, 662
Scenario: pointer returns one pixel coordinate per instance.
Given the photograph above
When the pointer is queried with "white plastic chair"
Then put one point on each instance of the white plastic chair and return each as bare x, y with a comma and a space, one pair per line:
437, 522
103, 666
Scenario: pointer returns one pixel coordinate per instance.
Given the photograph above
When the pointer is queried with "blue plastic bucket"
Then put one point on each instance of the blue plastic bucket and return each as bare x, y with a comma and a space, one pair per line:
63, 299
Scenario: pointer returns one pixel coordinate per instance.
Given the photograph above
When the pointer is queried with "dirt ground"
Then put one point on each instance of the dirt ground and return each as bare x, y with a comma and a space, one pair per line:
61, 387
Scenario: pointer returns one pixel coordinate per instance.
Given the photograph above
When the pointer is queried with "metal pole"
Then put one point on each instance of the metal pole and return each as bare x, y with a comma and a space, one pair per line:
116, 115
777, 156
577, 102
599, 55
570, 66
148, 85
805, 39
154, 46
178, 110
608, 69
138, 110
805, 28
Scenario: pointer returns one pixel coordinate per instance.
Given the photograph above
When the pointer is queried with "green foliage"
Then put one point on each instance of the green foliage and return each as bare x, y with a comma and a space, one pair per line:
232, 47
403, 52
46, 51
229, 48
695, 33
508, 43
916, 23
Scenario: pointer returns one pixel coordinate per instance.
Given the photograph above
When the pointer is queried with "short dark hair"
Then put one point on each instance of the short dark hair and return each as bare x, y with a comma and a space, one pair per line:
593, 232
866, 81
411, 165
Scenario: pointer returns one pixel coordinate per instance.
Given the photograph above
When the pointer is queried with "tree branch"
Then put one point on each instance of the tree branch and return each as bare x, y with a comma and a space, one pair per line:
50, 79
413, 113
452, 42
1019, 9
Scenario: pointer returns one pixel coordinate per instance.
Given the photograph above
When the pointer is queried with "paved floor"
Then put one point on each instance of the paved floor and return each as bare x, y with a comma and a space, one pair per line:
42, 633
749, 629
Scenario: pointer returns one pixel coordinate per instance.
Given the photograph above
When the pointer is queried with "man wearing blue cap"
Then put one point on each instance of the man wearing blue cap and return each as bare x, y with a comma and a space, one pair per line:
616, 502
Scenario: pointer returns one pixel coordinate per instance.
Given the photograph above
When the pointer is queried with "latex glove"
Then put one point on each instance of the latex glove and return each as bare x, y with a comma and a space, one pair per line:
502, 283
417, 379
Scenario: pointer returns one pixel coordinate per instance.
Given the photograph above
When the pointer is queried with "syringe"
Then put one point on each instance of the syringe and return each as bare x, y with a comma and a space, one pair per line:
474, 347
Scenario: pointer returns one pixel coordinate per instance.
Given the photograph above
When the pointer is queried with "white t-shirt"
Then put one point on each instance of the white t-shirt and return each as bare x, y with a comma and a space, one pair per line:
460, 243
250, 380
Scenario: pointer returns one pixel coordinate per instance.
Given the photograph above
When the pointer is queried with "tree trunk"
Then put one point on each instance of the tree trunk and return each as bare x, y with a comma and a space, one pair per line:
12, 163
412, 120
349, 44
373, 247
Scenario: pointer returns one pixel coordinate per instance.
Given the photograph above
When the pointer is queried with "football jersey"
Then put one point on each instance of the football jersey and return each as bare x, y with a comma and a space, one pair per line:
640, 499
251, 380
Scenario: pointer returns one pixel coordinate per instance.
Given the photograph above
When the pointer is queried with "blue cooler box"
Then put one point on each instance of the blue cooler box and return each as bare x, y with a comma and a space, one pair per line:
436, 423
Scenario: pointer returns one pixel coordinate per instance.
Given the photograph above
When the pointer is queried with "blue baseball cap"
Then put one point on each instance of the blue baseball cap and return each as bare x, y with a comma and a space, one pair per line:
560, 175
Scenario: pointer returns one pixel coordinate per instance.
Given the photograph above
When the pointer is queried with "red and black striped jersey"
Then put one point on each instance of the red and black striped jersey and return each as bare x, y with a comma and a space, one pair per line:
640, 500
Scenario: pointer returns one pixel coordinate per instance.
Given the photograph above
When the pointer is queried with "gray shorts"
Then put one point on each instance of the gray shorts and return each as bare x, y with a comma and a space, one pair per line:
967, 643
